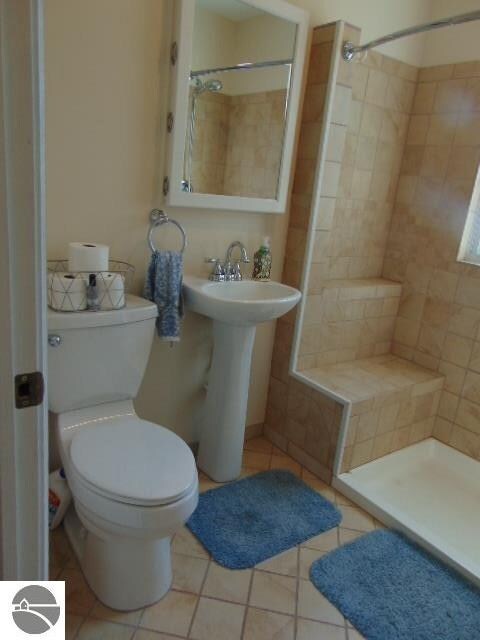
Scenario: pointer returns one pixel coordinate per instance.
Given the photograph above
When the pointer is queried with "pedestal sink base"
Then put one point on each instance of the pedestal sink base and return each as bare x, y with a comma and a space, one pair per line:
223, 429
236, 308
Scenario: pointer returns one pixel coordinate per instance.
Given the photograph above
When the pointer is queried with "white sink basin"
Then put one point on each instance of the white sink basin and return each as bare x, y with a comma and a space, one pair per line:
235, 308
248, 302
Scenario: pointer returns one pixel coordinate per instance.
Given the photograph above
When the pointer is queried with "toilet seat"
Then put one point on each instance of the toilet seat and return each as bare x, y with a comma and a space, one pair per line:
133, 461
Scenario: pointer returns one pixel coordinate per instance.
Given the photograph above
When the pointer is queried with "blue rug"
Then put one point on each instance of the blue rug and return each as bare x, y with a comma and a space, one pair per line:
251, 520
391, 589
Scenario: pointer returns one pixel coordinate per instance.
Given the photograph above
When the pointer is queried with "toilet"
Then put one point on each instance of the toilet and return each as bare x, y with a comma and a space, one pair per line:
134, 483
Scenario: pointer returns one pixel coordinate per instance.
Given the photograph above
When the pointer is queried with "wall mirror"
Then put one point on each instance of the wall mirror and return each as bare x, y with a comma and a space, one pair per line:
235, 99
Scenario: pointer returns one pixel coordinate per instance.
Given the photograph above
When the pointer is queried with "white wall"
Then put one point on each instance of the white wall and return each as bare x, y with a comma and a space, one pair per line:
106, 96
376, 18
453, 44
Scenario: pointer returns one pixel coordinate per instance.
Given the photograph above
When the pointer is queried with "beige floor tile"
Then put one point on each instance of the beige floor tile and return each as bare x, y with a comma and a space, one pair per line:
123, 617
256, 460
356, 519
324, 542
205, 483
227, 584
274, 592
173, 614
72, 625
307, 558
348, 535
285, 563
318, 485
215, 620
78, 596
94, 629
266, 625
188, 572
285, 463
187, 544
59, 549
309, 630
353, 634
246, 472
312, 604
260, 444
145, 634
340, 499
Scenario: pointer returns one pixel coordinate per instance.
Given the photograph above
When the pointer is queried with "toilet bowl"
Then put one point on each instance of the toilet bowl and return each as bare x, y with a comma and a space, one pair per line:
134, 483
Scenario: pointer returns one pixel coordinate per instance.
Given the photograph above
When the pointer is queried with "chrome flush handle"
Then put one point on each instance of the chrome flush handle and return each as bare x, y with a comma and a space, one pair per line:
54, 340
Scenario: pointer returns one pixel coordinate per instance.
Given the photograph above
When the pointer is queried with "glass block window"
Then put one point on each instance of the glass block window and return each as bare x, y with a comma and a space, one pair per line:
470, 245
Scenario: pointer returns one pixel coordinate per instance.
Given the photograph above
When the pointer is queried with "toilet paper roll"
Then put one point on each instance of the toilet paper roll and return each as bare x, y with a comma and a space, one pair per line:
88, 256
111, 291
67, 292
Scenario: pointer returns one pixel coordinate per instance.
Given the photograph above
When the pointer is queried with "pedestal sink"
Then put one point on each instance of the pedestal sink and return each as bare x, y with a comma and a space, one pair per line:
235, 308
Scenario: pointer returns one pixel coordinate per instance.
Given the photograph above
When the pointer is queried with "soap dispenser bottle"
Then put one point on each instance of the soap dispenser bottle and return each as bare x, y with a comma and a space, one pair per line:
93, 303
262, 261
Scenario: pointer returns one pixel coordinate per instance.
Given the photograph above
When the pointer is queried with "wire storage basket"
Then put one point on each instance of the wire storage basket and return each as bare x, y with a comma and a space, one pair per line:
67, 290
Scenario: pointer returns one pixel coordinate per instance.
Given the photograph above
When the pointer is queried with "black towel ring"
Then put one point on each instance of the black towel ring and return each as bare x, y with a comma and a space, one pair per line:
159, 217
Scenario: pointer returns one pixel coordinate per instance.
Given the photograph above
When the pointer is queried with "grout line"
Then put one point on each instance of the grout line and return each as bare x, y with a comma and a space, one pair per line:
247, 606
199, 595
297, 594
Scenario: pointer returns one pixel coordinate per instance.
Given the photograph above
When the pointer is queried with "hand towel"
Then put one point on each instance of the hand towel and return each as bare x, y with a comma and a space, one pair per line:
163, 285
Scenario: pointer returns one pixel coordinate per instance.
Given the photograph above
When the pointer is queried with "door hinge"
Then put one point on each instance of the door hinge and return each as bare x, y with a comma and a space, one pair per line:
166, 185
170, 122
173, 54
29, 389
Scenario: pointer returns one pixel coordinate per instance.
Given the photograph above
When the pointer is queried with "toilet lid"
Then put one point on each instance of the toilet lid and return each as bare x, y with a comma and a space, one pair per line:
134, 461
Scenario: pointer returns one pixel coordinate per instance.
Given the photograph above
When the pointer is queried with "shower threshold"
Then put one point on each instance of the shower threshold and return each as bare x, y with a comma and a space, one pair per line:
430, 492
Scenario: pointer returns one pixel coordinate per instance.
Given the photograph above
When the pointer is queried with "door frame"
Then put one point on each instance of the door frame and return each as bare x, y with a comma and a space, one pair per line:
23, 333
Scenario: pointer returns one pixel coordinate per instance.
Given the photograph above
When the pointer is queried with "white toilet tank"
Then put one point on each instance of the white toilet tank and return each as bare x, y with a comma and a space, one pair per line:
98, 356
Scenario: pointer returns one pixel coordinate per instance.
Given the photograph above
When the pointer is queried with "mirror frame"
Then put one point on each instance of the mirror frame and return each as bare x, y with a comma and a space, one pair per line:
183, 36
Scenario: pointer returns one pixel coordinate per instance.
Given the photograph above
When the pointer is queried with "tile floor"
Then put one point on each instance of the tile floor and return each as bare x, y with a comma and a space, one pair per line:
273, 601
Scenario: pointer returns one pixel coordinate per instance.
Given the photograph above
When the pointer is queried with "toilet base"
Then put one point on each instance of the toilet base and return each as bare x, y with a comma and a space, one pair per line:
124, 573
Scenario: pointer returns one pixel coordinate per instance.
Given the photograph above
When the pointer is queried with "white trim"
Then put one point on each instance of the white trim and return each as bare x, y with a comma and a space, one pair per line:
183, 31
23, 436
469, 250
315, 210
316, 199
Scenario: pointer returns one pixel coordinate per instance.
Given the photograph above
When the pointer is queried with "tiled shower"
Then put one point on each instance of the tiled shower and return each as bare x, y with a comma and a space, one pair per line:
384, 351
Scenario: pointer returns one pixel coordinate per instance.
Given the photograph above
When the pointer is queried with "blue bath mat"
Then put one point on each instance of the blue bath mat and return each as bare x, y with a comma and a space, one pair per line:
251, 520
391, 589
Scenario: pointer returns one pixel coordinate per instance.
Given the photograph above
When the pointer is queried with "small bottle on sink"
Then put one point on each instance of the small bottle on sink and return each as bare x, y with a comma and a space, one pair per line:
262, 261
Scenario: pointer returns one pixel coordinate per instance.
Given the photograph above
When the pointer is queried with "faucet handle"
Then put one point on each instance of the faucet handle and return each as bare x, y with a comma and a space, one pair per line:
236, 272
218, 272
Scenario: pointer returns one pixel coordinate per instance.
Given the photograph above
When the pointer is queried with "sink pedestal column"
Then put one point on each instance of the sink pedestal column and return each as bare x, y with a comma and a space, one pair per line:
223, 428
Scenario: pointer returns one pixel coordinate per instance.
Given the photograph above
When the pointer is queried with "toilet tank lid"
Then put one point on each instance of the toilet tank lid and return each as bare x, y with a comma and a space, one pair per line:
135, 310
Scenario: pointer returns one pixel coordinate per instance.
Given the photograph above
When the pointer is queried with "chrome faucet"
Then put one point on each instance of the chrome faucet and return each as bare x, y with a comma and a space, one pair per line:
228, 271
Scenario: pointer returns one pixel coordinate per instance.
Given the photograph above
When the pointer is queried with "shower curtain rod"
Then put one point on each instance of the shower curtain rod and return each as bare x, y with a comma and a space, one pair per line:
349, 50
243, 66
